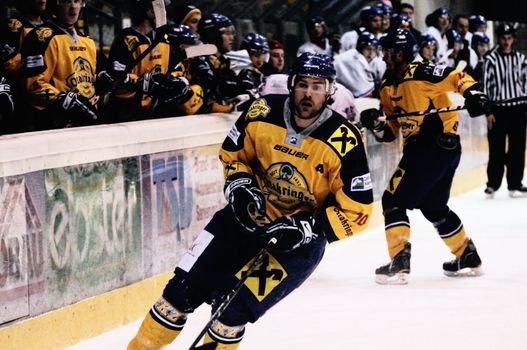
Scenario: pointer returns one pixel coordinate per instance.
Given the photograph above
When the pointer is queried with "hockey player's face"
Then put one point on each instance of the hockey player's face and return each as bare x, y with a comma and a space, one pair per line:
227, 35
258, 59
310, 96
69, 11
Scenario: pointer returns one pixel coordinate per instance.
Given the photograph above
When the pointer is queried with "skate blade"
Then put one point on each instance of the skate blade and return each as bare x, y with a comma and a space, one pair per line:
466, 272
398, 279
516, 194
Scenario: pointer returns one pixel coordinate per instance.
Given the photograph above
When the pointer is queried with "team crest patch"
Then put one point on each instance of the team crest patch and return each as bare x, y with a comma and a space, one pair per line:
361, 183
43, 33
82, 78
267, 276
14, 24
131, 42
343, 140
258, 108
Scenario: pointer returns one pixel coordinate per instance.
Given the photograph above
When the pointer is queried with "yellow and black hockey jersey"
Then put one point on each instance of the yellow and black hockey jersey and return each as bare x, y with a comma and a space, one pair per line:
54, 61
129, 45
322, 169
424, 86
12, 34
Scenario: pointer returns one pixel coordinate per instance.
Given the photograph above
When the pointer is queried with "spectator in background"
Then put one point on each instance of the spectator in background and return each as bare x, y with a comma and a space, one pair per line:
276, 63
408, 10
458, 56
185, 13
13, 31
438, 23
387, 11
477, 24
360, 70
427, 48
505, 77
371, 21
318, 42
400, 20
480, 44
460, 24
60, 66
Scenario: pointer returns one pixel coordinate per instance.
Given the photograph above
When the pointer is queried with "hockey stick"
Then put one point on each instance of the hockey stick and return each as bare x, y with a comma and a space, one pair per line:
228, 298
449, 109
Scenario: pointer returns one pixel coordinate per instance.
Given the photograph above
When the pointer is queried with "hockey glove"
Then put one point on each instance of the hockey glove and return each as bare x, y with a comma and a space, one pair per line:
248, 80
114, 78
166, 89
7, 52
202, 74
6, 100
369, 119
477, 103
292, 231
246, 200
77, 107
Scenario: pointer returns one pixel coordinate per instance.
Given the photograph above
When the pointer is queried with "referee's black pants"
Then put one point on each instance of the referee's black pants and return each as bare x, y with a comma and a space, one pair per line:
507, 147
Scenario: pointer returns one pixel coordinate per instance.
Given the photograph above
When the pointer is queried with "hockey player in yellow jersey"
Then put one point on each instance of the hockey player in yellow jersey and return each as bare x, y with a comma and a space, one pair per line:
29, 14
147, 87
295, 170
431, 154
60, 66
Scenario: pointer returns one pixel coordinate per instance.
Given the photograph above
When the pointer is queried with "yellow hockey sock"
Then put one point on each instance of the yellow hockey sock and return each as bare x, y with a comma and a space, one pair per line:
152, 336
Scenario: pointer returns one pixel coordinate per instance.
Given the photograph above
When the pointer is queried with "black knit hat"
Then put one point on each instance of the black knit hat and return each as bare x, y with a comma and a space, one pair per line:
180, 12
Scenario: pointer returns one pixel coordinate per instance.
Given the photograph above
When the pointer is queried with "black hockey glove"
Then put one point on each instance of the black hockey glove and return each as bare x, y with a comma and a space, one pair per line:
248, 80
166, 89
292, 231
369, 118
7, 52
477, 103
246, 201
202, 74
114, 78
6, 100
78, 109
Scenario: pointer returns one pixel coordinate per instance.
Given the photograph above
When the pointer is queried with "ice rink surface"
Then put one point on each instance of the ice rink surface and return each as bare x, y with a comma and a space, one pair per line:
341, 307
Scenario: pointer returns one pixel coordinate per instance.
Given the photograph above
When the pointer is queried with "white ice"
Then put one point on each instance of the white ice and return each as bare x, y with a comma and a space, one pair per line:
341, 307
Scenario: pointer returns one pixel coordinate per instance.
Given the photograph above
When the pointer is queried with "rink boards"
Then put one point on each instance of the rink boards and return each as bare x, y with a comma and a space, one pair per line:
92, 220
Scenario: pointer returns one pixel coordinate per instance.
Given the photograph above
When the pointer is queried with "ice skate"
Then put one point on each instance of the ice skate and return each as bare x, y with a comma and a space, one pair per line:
396, 271
518, 192
489, 192
468, 264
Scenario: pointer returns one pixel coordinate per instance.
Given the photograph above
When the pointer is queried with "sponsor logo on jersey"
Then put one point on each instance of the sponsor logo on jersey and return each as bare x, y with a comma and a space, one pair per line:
395, 180
409, 74
343, 140
258, 108
287, 188
361, 183
438, 71
230, 169
82, 77
408, 126
43, 33
290, 151
343, 221
234, 134
131, 42
14, 24
267, 276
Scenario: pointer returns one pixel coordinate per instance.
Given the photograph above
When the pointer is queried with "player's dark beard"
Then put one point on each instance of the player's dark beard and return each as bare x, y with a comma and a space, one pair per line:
311, 115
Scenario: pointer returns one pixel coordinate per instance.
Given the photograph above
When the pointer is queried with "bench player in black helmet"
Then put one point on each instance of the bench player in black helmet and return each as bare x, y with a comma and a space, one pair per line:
431, 154
294, 170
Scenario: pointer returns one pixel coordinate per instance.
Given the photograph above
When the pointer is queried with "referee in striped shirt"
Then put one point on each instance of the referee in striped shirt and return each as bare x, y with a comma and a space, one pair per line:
505, 77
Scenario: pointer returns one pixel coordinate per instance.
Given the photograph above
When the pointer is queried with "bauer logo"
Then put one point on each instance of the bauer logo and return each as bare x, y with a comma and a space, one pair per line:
361, 183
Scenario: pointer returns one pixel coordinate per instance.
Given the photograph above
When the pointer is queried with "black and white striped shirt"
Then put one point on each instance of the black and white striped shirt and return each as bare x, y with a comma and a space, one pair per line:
505, 76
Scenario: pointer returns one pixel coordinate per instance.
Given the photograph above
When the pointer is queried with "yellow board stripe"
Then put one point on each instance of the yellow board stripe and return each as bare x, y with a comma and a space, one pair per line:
91, 317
